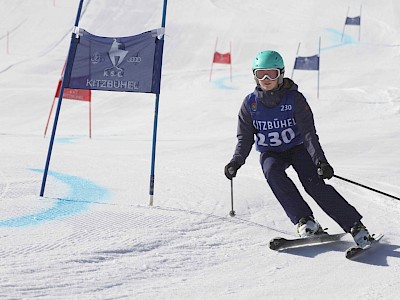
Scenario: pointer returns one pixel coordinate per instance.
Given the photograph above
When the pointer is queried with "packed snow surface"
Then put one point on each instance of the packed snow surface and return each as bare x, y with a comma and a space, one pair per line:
94, 236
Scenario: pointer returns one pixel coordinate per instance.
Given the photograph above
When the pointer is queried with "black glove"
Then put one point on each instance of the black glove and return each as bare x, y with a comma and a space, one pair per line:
231, 169
325, 171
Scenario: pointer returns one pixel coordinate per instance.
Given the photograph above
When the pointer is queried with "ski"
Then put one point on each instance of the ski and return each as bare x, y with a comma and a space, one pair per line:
355, 252
280, 243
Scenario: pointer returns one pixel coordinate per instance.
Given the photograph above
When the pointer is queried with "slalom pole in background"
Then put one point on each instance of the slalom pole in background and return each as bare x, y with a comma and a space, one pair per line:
345, 21
67, 75
73, 94
222, 58
359, 26
297, 55
353, 21
311, 63
153, 152
366, 187
8, 43
230, 65
5, 34
319, 57
212, 62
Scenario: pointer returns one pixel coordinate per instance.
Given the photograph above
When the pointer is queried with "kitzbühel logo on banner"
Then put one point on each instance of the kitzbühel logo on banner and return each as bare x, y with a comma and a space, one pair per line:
117, 54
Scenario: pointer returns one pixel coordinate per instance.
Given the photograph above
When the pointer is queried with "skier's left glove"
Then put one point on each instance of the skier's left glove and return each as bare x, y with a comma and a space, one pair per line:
231, 169
325, 170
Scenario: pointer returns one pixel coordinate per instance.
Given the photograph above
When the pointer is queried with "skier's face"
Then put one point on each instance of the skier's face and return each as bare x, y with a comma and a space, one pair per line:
268, 85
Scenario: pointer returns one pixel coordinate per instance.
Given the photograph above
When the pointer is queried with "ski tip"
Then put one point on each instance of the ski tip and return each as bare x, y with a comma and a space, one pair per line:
353, 252
378, 236
276, 243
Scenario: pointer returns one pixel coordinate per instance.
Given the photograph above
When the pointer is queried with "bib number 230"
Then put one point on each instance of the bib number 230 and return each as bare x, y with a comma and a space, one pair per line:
275, 139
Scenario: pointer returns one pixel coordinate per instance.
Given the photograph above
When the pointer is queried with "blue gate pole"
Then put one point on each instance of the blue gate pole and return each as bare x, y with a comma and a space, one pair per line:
66, 77
153, 152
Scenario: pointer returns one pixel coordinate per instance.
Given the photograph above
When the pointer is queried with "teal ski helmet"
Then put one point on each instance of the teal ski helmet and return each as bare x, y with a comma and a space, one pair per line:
269, 59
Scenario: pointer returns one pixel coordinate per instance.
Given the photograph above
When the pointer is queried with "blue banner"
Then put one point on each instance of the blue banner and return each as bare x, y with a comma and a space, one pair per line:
353, 21
122, 64
307, 63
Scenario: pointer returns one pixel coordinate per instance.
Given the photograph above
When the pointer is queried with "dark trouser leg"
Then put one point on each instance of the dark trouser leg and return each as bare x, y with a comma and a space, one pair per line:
331, 202
283, 188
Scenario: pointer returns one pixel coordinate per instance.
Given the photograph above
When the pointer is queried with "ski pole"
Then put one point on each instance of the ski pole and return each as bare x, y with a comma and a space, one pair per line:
366, 187
232, 212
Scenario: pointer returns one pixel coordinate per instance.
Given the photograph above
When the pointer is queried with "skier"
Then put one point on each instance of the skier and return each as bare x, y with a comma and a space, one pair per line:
281, 121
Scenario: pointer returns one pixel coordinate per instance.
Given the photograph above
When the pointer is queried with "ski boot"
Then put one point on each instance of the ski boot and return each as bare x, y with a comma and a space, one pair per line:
361, 235
308, 227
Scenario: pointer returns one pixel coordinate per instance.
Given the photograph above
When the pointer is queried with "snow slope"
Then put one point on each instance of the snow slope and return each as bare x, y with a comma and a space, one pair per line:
93, 235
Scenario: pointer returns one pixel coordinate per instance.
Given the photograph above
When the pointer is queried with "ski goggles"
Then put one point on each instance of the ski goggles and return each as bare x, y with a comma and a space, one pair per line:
271, 74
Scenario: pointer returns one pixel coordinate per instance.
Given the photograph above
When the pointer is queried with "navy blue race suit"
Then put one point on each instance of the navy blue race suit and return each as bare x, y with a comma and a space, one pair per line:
281, 124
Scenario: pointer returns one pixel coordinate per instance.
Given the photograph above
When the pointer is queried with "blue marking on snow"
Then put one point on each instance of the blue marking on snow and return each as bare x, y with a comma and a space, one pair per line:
80, 188
336, 36
225, 82
221, 83
66, 140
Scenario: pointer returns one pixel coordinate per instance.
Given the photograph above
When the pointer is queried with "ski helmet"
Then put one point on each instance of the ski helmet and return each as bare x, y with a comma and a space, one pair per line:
269, 59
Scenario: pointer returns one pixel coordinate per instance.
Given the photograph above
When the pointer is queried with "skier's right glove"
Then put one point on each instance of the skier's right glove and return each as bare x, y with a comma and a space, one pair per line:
325, 170
231, 169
